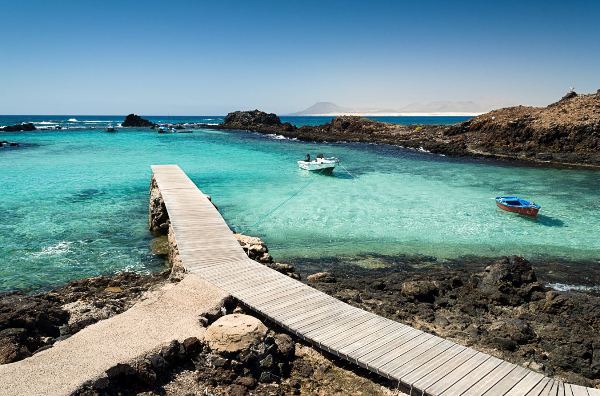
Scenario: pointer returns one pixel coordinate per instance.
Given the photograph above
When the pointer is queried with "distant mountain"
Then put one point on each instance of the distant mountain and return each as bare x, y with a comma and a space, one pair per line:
445, 106
438, 107
324, 108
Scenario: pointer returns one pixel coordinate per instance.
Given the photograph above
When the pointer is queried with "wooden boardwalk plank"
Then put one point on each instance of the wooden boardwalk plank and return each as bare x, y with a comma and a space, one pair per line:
527, 384
446, 375
491, 379
427, 364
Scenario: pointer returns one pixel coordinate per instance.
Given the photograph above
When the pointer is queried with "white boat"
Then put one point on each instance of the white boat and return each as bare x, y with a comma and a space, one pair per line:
319, 165
162, 129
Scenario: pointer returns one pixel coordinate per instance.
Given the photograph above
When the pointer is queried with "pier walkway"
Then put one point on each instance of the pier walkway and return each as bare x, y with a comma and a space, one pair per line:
421, 363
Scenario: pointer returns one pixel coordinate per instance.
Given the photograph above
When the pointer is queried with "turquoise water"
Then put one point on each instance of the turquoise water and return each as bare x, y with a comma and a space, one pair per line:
74, 203
94, 121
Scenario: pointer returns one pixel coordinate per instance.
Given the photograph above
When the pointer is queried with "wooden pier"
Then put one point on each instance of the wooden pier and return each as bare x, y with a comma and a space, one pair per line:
421, 363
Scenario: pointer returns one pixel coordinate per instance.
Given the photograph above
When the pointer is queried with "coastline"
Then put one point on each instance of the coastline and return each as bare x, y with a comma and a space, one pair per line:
561, 134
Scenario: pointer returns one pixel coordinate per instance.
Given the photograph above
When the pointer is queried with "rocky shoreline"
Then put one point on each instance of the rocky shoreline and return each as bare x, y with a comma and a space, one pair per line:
500, 307
565, 133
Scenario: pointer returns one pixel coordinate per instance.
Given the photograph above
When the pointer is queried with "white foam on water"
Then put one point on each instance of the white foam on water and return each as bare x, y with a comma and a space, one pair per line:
278, 137
566, 287
45, 123
54, 250
73, 120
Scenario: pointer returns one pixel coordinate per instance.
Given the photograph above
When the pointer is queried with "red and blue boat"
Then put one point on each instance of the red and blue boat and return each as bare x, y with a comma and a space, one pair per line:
518, 205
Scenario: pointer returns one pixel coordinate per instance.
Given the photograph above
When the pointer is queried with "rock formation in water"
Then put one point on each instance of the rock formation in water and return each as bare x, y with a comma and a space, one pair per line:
133, 120
25, 127
257, 250
256, 120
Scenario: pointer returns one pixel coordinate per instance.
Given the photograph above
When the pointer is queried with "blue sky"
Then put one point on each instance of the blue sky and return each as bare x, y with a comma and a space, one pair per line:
192, 57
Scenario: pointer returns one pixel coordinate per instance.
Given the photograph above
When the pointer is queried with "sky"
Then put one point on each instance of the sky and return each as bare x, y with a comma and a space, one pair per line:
200, 57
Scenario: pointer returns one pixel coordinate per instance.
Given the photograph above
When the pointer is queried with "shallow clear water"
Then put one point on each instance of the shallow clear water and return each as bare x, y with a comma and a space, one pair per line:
75, 203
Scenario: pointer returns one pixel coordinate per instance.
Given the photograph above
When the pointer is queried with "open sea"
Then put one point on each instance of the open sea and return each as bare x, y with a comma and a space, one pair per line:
74, 201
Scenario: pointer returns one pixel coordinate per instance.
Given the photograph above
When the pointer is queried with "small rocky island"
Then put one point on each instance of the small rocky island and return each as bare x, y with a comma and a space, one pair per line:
564, 133
24, 127
135, 121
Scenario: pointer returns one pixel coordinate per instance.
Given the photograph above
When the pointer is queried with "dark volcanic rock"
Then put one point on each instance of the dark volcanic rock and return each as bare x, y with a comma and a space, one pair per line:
29, 323
420, 290
500, 308
566, 131
25, 324
514, 271
256, 120
133, 120
19, 127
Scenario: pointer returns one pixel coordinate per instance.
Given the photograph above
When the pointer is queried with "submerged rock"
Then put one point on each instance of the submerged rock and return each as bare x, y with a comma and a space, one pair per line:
5, 143
133, 120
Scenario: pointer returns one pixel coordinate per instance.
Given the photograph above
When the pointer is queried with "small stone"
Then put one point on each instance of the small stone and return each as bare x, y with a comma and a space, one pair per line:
236, 390
171, 352
248, 382
424, 291
101, 383
120, 370
218, 361
535, 366
285, 344
267, 362
266, 377
503, 343
324, 277
157, 362
192, 346
113, 289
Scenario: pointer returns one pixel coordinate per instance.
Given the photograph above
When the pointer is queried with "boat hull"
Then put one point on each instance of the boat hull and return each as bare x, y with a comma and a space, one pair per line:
531, 212
324, 167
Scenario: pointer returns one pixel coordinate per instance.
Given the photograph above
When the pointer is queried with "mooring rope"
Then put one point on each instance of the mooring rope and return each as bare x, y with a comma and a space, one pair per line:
347, 171
263, 217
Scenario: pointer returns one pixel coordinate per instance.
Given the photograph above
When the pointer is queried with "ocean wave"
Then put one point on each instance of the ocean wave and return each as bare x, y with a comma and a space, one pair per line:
45, 123
73, 120
565, 287
54, 250
279, 137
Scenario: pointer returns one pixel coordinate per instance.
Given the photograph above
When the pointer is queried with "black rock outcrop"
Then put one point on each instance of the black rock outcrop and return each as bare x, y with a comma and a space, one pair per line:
134, 120
256, 120
26, 126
